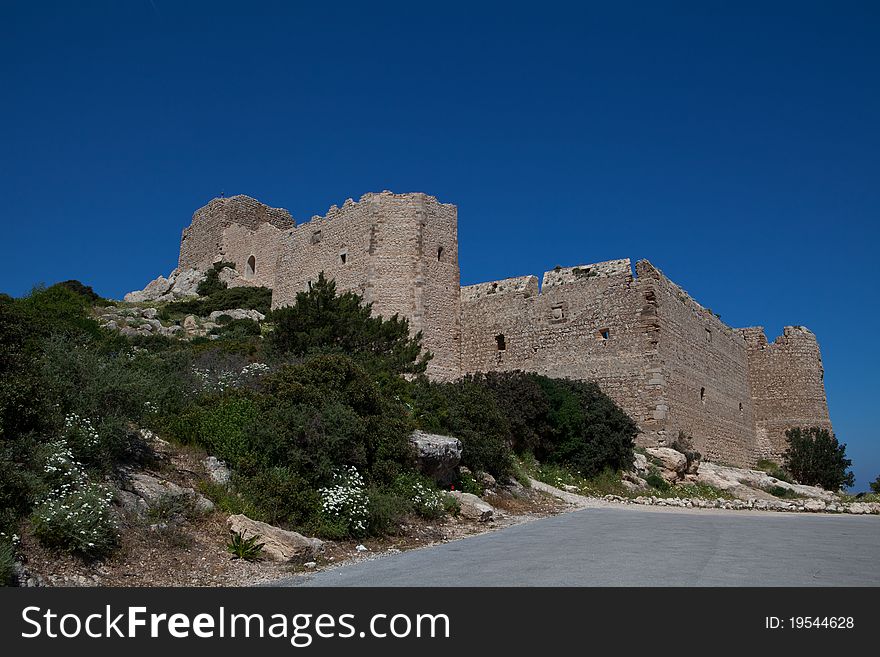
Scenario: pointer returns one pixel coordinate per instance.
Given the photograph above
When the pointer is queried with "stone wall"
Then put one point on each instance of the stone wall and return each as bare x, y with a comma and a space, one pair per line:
585, 325
203, 242
665, 359
703, 377
787, 383
400, 251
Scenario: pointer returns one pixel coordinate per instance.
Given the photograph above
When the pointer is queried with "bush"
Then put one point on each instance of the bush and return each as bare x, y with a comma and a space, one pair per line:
875, 485
83, 290
386, 511
654, 480
320, 321
75, 516
212, 283
774, 470
814, 457
468, 410
7, 562
248, 298
345, 506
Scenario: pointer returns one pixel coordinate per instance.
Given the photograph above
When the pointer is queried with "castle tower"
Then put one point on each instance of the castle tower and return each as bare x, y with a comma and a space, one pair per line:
400, 251
238, 229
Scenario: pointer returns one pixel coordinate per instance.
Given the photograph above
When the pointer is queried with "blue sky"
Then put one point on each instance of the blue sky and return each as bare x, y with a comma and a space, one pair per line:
736, 145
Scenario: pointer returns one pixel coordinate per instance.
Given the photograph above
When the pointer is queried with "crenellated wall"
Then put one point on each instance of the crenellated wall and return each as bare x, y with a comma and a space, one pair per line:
400, 251
586, 323
787, 385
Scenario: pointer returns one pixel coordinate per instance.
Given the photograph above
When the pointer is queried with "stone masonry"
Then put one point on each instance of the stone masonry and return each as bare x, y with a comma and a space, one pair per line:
665, 359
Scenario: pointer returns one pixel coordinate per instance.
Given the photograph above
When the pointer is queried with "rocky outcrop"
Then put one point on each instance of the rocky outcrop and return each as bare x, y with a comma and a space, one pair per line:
156, 492
178, 285
673, 464
473, 508
438, 456
278, 544
237, 313
753, 484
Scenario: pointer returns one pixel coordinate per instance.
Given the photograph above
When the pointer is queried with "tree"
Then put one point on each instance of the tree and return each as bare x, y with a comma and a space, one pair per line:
875, 485
322, 321
814, 457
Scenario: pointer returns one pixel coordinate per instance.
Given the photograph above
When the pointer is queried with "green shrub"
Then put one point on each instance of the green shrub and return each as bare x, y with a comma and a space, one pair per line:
80, 521
774, 470
236, 329
470, 412
781, 491
279, 495
7, 563
654, 480
212, 283
248, 298
875, 485
83, 290
386, 511
320, 321
814, 457
345, 508
421, 494
247, 549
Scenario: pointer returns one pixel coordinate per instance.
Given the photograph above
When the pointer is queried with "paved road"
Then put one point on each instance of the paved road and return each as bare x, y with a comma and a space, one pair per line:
627, 547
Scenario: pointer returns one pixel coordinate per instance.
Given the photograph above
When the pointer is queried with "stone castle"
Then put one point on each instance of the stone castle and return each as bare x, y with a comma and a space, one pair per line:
665, 359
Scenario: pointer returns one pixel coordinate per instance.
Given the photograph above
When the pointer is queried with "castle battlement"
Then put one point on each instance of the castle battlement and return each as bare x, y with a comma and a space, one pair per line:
667, 360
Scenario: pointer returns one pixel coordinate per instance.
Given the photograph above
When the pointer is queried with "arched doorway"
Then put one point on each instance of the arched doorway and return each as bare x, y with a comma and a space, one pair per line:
251, 269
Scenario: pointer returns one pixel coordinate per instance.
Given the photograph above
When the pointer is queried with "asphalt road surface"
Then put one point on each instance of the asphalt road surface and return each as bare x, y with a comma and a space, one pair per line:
627, 547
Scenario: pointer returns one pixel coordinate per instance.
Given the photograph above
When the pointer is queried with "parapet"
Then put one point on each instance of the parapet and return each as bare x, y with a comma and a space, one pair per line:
525, 286
246, 211
566, 275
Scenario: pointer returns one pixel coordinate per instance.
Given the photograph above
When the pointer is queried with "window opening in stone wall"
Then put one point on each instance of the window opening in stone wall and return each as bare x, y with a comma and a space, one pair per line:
740, 407
557, 313
500, 343
708, 335
439, 253
251, 268
317, 237
703, 395
343, 258
604, 334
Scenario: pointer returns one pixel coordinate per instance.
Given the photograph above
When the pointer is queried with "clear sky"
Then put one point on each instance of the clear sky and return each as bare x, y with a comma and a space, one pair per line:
736, 145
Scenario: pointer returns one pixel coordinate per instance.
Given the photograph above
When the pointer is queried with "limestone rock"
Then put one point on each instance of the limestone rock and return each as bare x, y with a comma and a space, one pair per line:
473, 508
155, 491
670, 459
640, 463
279, 544
177, 285
217, 471
438, 456
190, 324
237, 313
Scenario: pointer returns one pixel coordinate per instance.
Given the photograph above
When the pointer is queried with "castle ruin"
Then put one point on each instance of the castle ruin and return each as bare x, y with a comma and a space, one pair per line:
666, 360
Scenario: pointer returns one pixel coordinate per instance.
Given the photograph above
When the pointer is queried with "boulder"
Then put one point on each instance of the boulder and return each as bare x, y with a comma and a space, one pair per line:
237, 313
640, 463
279, 544
190, 324
177, 285
217, 471
670, 459
155, 491
473, 508
438, 456
814, 505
